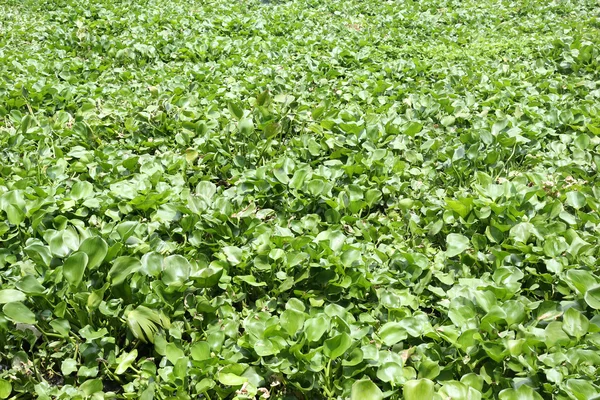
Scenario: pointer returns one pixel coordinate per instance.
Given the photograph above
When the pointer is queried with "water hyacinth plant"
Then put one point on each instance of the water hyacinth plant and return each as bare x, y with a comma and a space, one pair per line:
299, 199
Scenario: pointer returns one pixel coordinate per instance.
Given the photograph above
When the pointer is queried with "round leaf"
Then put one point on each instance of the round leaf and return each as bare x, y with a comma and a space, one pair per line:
176, 270
419, 389
390, 372
365, 389
456, 244
5, 389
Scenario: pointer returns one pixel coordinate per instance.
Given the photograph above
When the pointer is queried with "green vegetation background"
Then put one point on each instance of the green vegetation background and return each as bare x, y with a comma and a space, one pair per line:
299, 199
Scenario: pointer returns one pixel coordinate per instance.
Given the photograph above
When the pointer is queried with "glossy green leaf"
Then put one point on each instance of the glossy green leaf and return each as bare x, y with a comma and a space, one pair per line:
524, 392
592, 297
314, 328
456, 244
11, 295
81, 189
390, 372
392, 333
28, 284
420, 389
230, 379
68, 366
581, 389
292, 321
122, 268
145, 322
74, 268
176, 270
92, 386
200, 351
96, 249
5, 389
365, 389
19, 313
337, 345
127, 361
575, 323
207, 277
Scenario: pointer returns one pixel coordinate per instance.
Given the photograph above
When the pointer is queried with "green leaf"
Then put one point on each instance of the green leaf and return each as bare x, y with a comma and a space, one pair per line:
236, 110
249, 279
456, 244
122, 268
575, 323
246, 126
263, 98
581, 280
14, 215
284, 98
580, 389
74, 268
281, 175
413, 128
5, 389
429, 369
206, 190
499, 126
61, 326
555, 246
314, 328
555, 335
92, 386
230, 379
63, 242
292, 320
448, 120
81, 190
521, 232
458, 390
200, 351
267, 347
68, 366
176, 270
524, 392
152, 264
594, 129
355, 357
390, 372
392, 333
575, 200
420, 389
19, 313
207, 277
174, 353
337, 345
234, 254
144, 323
126, 361
349, 257
28, 284
96, 249
592, 297
365, 389
11, 295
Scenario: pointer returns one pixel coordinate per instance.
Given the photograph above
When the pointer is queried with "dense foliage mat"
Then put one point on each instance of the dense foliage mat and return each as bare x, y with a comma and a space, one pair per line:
308, 199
